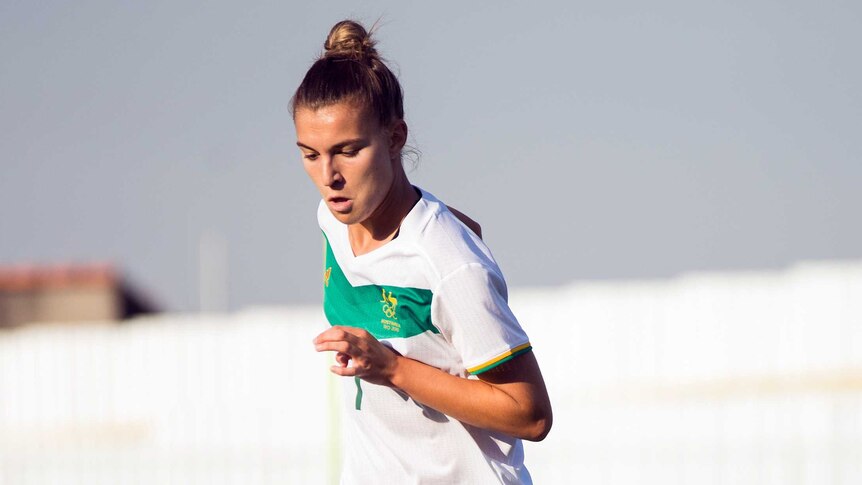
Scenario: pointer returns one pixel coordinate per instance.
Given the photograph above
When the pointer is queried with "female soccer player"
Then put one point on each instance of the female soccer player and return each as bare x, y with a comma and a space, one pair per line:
441, 384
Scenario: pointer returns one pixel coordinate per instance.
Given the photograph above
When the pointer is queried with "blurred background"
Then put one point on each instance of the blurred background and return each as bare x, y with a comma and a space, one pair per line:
671, 189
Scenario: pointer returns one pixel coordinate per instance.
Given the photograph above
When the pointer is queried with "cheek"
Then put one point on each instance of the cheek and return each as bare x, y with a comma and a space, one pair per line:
368, 174
382, 170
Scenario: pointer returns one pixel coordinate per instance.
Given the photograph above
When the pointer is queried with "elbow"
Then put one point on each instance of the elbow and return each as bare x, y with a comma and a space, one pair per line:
538, 427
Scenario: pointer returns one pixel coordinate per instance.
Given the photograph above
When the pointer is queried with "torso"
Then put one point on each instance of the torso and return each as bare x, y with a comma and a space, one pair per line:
394, 291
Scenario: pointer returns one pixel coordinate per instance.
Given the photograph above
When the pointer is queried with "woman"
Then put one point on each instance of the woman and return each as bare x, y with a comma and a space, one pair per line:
444, 384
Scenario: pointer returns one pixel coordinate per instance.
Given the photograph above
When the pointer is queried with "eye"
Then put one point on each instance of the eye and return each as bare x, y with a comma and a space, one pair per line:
350, 153
310, 156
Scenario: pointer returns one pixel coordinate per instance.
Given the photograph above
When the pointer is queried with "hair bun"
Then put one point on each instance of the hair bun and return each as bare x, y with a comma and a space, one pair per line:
349, 39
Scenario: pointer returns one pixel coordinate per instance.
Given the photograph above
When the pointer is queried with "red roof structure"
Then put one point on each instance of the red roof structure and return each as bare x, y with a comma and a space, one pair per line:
67, 293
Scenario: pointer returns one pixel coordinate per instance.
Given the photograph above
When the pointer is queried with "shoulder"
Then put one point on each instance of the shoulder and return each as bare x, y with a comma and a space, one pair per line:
467, 221
448, 242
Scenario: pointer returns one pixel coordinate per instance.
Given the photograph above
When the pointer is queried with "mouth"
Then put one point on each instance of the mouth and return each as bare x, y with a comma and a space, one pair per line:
339, 204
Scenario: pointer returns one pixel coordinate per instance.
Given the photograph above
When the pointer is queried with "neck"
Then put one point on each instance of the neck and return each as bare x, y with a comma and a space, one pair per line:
383, 224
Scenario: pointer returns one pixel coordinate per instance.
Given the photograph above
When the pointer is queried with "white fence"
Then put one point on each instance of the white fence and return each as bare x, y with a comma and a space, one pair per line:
722, 378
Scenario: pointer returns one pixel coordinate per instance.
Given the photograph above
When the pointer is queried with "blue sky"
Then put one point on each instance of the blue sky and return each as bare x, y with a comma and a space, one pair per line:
590, 139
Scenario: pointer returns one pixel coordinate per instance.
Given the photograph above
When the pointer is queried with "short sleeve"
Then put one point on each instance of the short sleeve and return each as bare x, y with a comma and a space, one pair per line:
470, 308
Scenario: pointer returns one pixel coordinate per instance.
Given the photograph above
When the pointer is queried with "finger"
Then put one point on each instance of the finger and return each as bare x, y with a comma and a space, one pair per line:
343, 371
337, 332
358, 332
328, 334
342, 359
336, 346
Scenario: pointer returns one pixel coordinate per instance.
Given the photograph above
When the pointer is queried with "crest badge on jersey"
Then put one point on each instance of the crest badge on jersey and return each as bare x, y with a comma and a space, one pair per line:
389, 307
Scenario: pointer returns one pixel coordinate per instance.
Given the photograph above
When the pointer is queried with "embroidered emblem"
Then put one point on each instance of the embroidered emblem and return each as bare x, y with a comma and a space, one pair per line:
389, 304
326, 276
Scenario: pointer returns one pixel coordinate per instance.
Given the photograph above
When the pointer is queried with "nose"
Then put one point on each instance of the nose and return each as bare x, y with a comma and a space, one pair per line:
331, 174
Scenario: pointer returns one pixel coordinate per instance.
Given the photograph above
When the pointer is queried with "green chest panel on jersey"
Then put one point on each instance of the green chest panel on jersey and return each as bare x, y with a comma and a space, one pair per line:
384, 311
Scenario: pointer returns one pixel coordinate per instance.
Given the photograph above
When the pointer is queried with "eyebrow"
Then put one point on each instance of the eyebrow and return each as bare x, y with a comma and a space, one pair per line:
337, 146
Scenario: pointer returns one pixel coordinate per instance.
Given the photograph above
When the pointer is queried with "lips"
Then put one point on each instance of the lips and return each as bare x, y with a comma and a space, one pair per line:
339, 204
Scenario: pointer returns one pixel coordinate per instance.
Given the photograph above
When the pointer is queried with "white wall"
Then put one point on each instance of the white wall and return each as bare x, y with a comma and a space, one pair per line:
723, 378
173, 399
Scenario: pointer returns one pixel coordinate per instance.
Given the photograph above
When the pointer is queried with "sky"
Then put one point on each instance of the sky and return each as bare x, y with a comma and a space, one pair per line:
592, 140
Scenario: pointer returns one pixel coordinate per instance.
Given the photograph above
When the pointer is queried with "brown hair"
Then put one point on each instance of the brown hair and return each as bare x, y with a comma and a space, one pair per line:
350, 70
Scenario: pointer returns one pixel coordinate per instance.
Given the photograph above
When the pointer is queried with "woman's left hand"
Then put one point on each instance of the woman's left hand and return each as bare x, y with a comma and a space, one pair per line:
369, 359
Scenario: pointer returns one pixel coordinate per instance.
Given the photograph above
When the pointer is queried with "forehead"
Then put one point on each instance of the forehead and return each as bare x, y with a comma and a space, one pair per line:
333, 122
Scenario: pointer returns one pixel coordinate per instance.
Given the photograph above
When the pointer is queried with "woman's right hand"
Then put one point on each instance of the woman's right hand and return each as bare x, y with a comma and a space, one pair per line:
358, 354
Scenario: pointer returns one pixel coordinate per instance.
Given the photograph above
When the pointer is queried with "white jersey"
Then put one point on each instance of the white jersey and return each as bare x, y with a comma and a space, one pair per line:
436, 295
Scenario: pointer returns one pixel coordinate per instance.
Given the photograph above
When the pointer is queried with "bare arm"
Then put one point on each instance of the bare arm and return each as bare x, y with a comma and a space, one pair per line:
510, 398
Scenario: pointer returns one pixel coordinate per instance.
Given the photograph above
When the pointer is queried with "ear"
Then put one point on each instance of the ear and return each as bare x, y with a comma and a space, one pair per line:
397, 138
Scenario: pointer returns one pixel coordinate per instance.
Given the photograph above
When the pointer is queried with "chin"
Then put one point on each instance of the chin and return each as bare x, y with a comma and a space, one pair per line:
348, 218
